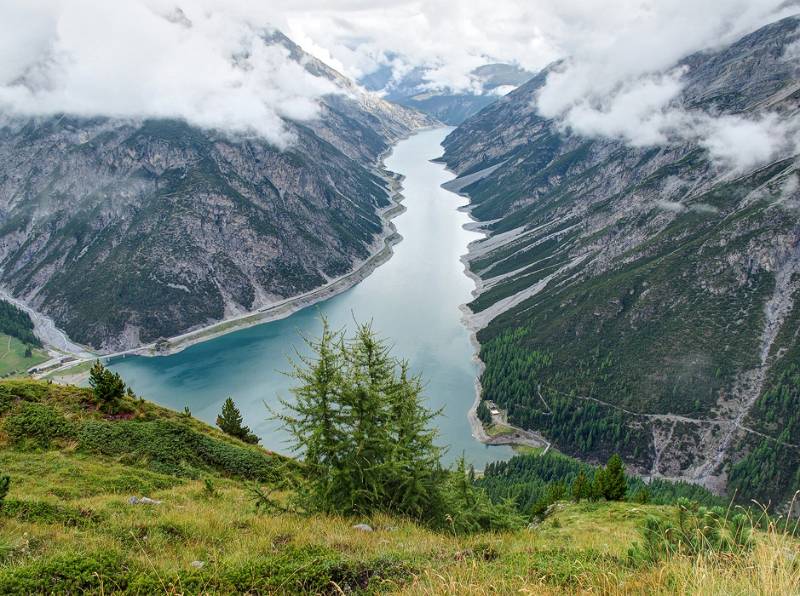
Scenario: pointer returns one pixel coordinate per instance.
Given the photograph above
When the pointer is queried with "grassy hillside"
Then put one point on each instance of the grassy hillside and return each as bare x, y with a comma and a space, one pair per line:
17, 357
20, 349
67, 523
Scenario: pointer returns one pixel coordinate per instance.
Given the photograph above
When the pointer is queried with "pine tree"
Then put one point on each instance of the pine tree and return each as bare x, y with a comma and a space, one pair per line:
598, 485
314, 417
615, 486
230, 422
108, 387
580, 487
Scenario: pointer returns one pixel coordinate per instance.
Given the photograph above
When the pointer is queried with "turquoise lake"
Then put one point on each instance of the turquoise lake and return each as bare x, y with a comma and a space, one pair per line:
413, 300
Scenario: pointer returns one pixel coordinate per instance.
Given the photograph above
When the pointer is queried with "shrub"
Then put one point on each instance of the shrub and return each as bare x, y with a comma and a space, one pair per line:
5, 484
173, 447
12, 391
37, 425
44, 512
698, 531
69, 573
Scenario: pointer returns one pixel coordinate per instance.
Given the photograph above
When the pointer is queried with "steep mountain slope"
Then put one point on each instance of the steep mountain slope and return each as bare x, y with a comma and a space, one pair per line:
127, 231
644, 300
494, 81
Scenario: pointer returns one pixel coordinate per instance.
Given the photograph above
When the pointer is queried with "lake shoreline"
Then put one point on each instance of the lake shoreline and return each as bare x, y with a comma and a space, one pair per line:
381, 251
520, 437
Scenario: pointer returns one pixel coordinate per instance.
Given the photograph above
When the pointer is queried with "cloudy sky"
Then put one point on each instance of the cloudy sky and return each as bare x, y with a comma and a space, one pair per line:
203, 60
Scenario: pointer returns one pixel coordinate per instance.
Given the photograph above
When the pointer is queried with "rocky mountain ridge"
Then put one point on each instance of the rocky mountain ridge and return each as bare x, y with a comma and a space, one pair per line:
643, 299
125, 231
492, 82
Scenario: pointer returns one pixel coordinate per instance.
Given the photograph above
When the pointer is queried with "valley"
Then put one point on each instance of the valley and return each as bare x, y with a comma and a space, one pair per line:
400, 297
413, 299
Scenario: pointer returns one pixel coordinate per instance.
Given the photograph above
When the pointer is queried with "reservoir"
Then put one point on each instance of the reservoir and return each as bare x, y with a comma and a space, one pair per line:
413, 300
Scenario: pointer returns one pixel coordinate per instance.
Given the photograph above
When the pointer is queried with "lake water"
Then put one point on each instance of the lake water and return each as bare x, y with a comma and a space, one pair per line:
413, 300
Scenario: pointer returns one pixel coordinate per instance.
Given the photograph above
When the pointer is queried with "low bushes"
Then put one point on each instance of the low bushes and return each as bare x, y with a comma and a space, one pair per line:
36, 425
172, 447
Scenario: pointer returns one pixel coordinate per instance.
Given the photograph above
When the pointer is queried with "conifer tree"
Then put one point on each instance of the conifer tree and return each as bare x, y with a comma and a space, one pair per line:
580, 487
314, 417
598, 484
108, 387
483, 413
230, 422
615, 486
359, 420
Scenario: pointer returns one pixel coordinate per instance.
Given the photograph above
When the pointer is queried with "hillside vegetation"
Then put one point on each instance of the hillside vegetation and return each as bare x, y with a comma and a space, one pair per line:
20, 349
68, 523
644, 300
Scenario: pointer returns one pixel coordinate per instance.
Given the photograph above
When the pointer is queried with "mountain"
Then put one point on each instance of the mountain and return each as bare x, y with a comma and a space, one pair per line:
641, 299
126, 231
412, 90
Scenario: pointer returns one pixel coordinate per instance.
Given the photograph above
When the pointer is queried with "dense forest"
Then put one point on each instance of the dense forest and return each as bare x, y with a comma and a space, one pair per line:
532, 480
538, 394
17, 323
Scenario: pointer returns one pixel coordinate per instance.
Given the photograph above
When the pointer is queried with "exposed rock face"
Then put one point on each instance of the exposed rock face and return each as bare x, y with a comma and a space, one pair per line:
127, 231
649, 295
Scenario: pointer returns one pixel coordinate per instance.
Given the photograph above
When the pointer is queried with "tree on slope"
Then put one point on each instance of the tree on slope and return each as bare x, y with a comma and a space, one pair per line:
230, 422
108, 387
359, 420
581, 489
615, 485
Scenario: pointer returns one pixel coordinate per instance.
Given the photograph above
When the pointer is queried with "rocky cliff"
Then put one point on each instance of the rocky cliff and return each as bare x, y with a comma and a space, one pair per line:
127, 231
644, 299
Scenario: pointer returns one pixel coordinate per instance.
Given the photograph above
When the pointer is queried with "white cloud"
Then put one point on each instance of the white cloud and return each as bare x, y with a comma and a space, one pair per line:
741, 144
206, 63
618, 84
139, 58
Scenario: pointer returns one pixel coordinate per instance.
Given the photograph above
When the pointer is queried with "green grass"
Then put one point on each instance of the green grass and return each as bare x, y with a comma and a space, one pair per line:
67, 524
12, 356
499, 430
78, 369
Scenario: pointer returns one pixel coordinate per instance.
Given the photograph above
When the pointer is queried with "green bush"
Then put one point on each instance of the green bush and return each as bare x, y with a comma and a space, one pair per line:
173, 447
37, 425
293, 570
12, 391
69, 573
49, 513
695, 531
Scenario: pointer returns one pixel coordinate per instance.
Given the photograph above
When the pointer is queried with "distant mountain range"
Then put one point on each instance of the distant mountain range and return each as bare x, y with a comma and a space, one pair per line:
127, 231
641, 299
413, 90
